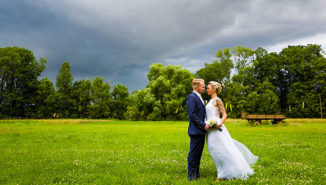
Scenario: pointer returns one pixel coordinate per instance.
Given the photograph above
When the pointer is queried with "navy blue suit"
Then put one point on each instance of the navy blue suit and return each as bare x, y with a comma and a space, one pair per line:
196, 132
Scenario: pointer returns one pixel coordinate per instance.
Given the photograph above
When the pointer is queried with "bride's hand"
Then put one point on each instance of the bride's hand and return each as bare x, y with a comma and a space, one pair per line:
218, 125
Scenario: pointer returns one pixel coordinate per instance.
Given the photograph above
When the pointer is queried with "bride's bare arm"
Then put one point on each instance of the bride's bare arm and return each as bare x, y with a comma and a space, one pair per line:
219, 104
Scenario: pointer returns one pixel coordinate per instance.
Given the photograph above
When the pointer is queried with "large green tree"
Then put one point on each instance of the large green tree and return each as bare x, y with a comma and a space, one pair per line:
141, 105
170, 86
296, 76
303, 75
101, 99
65, 102
46, 101
81, 94
19, 71
120, 95
243, 56
219, 70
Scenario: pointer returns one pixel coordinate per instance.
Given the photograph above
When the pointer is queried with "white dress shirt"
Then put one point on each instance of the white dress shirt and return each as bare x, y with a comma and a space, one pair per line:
200, 97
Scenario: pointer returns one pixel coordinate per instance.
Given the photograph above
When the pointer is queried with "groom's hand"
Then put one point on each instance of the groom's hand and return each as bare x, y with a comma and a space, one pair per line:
207, 127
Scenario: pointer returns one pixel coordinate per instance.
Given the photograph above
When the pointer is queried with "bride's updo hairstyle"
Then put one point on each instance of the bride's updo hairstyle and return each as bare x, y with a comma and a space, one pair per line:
217, 86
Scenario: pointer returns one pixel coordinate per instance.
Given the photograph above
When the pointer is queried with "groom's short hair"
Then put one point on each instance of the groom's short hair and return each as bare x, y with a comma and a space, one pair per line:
196, 82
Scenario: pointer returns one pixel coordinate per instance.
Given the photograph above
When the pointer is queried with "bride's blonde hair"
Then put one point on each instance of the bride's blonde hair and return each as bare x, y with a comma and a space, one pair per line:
217, 86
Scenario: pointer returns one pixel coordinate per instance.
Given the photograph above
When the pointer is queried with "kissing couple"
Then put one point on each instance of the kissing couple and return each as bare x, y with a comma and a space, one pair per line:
232, 158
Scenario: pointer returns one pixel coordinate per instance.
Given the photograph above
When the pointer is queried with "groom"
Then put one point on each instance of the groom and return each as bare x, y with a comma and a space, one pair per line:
197, 127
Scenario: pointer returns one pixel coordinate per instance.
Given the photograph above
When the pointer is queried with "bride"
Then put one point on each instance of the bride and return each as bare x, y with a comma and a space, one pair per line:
232, 158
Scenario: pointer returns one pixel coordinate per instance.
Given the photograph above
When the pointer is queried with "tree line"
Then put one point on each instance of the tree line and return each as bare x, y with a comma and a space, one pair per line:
290, 82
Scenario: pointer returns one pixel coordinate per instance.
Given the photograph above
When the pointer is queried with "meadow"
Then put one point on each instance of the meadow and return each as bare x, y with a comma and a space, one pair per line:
135, 152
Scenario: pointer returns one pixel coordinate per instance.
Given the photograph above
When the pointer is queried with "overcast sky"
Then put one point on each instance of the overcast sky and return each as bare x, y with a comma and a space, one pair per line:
119, 40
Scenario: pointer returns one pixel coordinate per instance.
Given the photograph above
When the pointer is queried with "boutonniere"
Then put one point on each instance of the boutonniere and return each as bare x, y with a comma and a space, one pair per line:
205, 102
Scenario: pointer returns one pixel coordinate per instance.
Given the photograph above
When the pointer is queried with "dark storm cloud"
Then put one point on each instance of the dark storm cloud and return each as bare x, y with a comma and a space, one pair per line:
119, 40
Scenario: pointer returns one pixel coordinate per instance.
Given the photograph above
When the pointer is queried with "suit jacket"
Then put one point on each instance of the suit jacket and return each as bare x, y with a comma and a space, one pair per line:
197, 114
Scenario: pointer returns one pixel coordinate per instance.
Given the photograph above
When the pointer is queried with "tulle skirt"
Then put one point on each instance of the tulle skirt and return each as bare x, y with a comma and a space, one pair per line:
232, 158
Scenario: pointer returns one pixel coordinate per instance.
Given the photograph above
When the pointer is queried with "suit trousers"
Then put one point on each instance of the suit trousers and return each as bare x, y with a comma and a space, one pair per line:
197, 143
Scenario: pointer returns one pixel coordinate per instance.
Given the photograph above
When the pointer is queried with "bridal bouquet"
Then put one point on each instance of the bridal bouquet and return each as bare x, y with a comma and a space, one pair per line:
213, 123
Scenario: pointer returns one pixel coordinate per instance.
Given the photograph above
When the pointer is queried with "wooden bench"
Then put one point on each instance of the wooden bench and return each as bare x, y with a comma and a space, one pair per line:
258, 117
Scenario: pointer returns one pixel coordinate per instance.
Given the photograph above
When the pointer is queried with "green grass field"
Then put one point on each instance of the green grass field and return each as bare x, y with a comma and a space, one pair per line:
126, 152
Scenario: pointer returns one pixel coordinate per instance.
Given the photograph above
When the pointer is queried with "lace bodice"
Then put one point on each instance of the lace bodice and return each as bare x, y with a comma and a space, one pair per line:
213, 108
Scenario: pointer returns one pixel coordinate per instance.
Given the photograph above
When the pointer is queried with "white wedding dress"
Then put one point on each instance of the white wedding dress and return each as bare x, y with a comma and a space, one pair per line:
232, 158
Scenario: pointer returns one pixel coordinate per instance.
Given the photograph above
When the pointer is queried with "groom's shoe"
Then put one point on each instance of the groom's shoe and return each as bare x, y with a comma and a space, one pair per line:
192, 177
